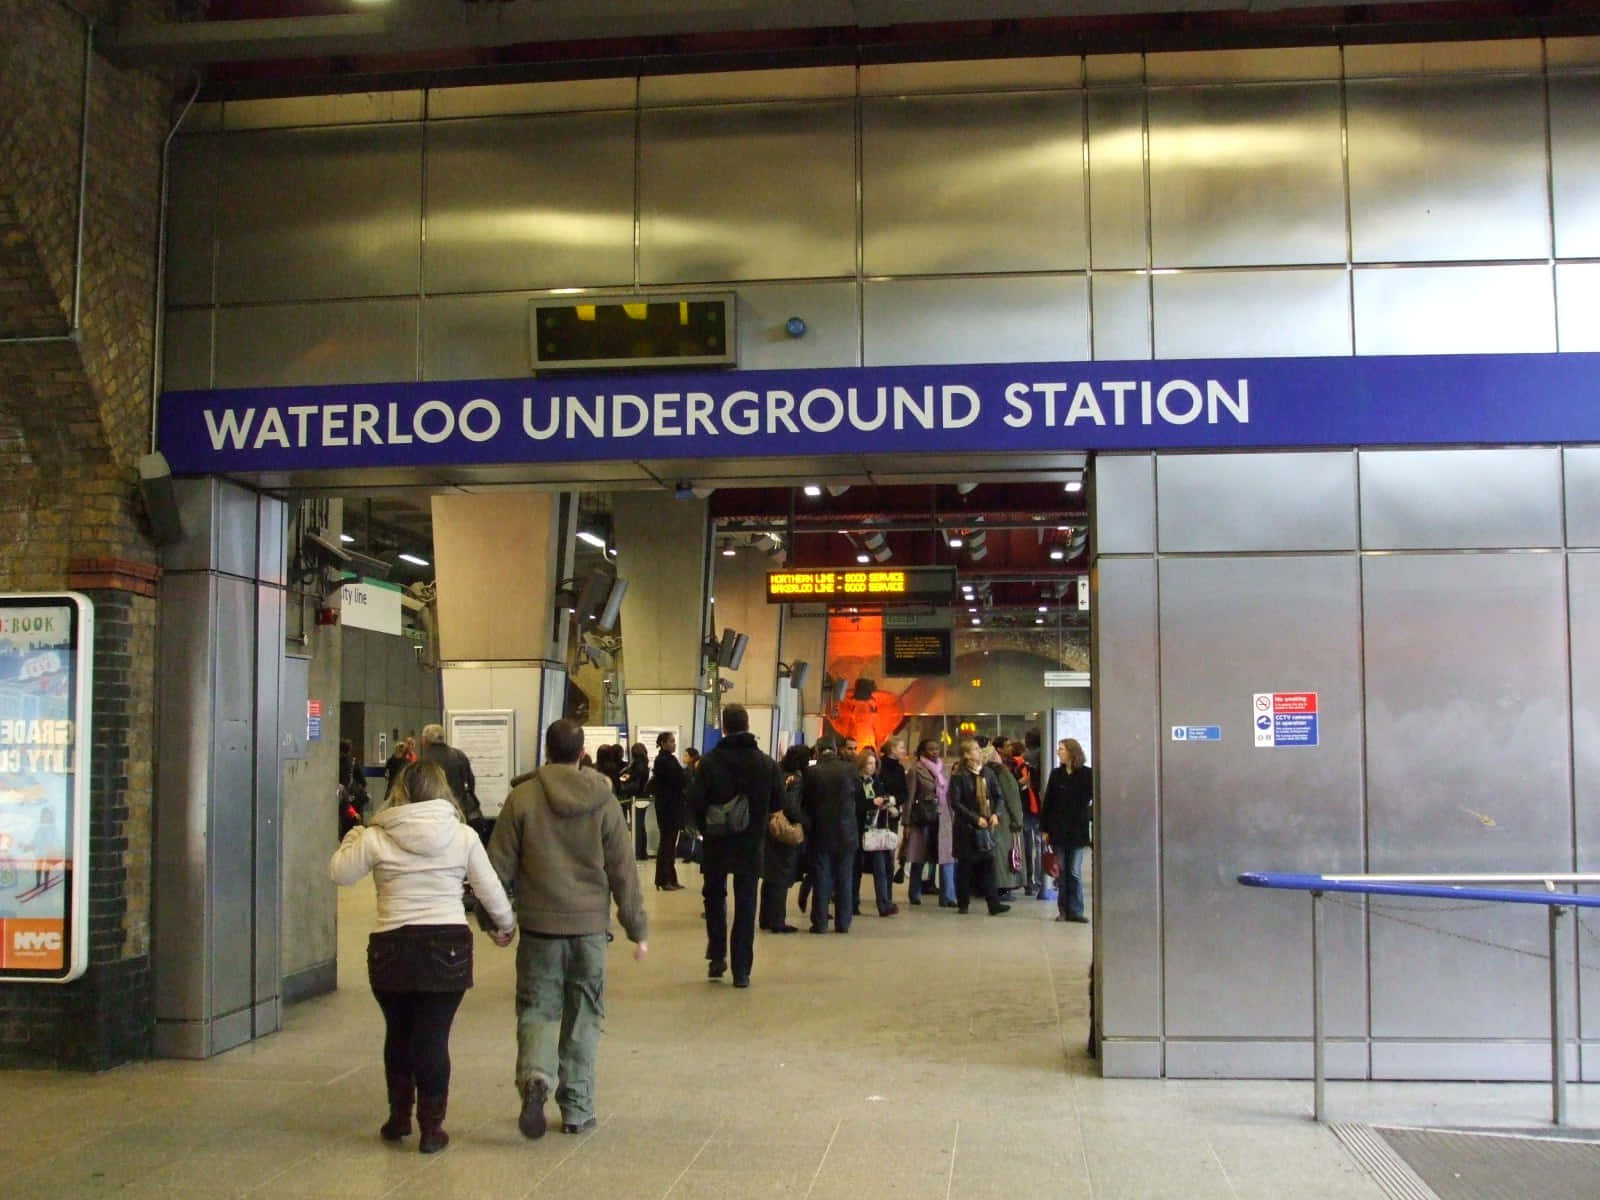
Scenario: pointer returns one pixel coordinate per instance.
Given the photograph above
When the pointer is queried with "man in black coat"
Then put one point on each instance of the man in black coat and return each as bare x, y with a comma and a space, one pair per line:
735, 766
828, 794
667, 781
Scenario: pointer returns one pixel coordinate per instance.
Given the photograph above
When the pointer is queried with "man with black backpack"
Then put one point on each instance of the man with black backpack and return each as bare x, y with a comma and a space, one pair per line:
735, 789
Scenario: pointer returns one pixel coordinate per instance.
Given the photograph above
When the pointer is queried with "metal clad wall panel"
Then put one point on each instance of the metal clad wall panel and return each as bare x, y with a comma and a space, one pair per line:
562, 95
1580, 473
1575, 164
1116, 179
267, 831
1121, 316
1231, 627
1455, 310
1127, 866
1252, 314
1460, 499
738, 87
1225, 66
1032, 319
186, 352
235, 529
757, 192
1578, 306
530, 202
477, 337
1583, 600
1448, 169
833, 326
976, 75
1014, 204
1124, 504
354, 341
1256, 502
1246, 175
1467, 770
191, 219
342, 215
231, 845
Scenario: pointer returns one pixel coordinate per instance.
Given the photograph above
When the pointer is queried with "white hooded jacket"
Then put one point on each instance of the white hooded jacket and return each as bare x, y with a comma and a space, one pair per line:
418, 855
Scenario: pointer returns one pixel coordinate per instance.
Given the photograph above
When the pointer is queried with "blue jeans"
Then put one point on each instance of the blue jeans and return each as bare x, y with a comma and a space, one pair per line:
1032, 876
835, 876
947, 881
1069, 888
561, 1007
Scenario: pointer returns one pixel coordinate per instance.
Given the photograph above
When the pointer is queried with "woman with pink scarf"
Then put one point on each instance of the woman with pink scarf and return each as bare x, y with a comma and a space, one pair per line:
927, 820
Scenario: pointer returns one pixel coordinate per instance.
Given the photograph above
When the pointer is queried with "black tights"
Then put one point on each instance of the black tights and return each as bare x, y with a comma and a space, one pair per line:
417, 1043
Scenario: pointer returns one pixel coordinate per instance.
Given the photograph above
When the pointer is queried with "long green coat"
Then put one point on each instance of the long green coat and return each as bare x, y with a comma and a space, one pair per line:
1008, 806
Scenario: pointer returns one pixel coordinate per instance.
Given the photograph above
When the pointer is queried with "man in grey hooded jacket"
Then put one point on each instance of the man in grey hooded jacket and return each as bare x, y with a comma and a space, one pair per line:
562, 844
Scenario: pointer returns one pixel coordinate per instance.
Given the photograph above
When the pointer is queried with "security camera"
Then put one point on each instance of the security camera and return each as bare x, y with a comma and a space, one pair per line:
324, 549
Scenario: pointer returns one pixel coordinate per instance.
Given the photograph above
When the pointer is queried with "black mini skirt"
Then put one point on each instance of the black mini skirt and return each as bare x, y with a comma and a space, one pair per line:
420, 958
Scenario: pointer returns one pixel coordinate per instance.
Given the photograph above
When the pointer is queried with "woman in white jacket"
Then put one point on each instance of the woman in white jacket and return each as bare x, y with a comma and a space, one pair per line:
419, 959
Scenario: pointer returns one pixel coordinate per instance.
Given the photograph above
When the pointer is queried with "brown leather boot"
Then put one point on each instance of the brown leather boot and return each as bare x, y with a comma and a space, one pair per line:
430, 1116
402, 1094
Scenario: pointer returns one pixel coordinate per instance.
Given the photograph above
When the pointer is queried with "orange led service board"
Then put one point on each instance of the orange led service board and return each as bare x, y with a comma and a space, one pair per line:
851, 585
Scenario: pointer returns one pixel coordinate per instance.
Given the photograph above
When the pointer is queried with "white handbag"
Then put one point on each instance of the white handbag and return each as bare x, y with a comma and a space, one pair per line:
880, 836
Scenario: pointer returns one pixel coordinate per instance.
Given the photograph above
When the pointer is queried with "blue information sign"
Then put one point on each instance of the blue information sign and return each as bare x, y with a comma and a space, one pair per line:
1197, 733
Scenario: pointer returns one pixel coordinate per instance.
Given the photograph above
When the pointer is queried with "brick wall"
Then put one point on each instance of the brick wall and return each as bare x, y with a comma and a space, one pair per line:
74, 417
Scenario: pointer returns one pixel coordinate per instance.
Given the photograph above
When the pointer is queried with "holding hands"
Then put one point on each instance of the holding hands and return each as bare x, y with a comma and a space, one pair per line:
502, 937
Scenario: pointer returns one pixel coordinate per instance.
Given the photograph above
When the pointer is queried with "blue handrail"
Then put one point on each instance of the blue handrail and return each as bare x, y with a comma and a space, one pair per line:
1348, 883
1556, 902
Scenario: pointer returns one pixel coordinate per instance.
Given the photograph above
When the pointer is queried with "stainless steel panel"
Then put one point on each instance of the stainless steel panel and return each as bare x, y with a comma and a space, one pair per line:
196, 509
1029, 319
1127, 1058
1568, 52
1250, 1059
833, 326
1440, 58
743, 87
235, 526
182, 768
1583, 616
1122, 504
975, 75
186, 349
354, 341
1252, 314
1486, 1061
1121, 316
747, 192
272, 717
230, 802
1231, 627
191, 218
1575, 164
1455, 310
1127, 866
1228, 66
565, 95
1460, 499
1015, 205
1246, 175
335, 108
1467, 770
1580, 473
1117, 217
476, 337
1256, 502
1113, 69
342, 217
530, 202
1578, 306
272, 526
1448, 169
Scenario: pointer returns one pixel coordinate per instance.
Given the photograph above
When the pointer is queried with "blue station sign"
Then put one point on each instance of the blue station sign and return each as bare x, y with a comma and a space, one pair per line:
1215, 404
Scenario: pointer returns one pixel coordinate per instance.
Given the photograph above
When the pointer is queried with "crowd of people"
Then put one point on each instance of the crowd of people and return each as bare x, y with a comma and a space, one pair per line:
560, 857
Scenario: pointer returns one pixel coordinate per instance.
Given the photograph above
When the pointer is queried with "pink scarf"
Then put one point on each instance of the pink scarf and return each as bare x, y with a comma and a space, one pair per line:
936, 765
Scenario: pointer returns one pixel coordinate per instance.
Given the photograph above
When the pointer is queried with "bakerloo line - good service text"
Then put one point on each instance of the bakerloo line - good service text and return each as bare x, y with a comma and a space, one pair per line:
740, 413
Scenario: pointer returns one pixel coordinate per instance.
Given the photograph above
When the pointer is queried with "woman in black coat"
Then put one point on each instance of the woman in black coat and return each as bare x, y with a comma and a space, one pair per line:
667, 781
781, 862
972, 792
1068, 808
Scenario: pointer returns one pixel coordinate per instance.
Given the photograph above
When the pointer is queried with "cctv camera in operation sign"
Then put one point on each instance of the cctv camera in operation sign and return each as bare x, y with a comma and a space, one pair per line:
46, 645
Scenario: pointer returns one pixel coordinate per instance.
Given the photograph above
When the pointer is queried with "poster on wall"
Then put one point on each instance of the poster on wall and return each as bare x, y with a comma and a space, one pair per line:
488, 737
46, 645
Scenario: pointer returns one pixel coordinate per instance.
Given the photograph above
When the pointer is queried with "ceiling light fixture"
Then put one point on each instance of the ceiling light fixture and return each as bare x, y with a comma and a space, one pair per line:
346, 538
863, 558
1074, 485
413, 560
594, 539
955, 541
812, 490
1057, 554
838, 489
728, 551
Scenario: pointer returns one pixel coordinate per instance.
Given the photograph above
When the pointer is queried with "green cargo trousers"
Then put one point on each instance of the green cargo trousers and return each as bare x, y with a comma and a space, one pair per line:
561, 1007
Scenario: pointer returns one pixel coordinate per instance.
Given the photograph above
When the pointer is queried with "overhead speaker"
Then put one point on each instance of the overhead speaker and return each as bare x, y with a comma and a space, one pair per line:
741, 643
160, 499
799, 674
838, 689
607, 620
731, 647
595, 590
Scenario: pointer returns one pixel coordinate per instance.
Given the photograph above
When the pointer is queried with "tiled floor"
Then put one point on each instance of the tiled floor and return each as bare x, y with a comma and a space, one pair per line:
927, 1056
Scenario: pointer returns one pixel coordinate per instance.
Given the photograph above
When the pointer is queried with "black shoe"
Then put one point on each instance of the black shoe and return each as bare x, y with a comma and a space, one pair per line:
531, 1120
741, 981
814, 929
943, 903
1079, 920
961, 909
716, 968
900, 875
579, 1126
783, 929
997, 909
